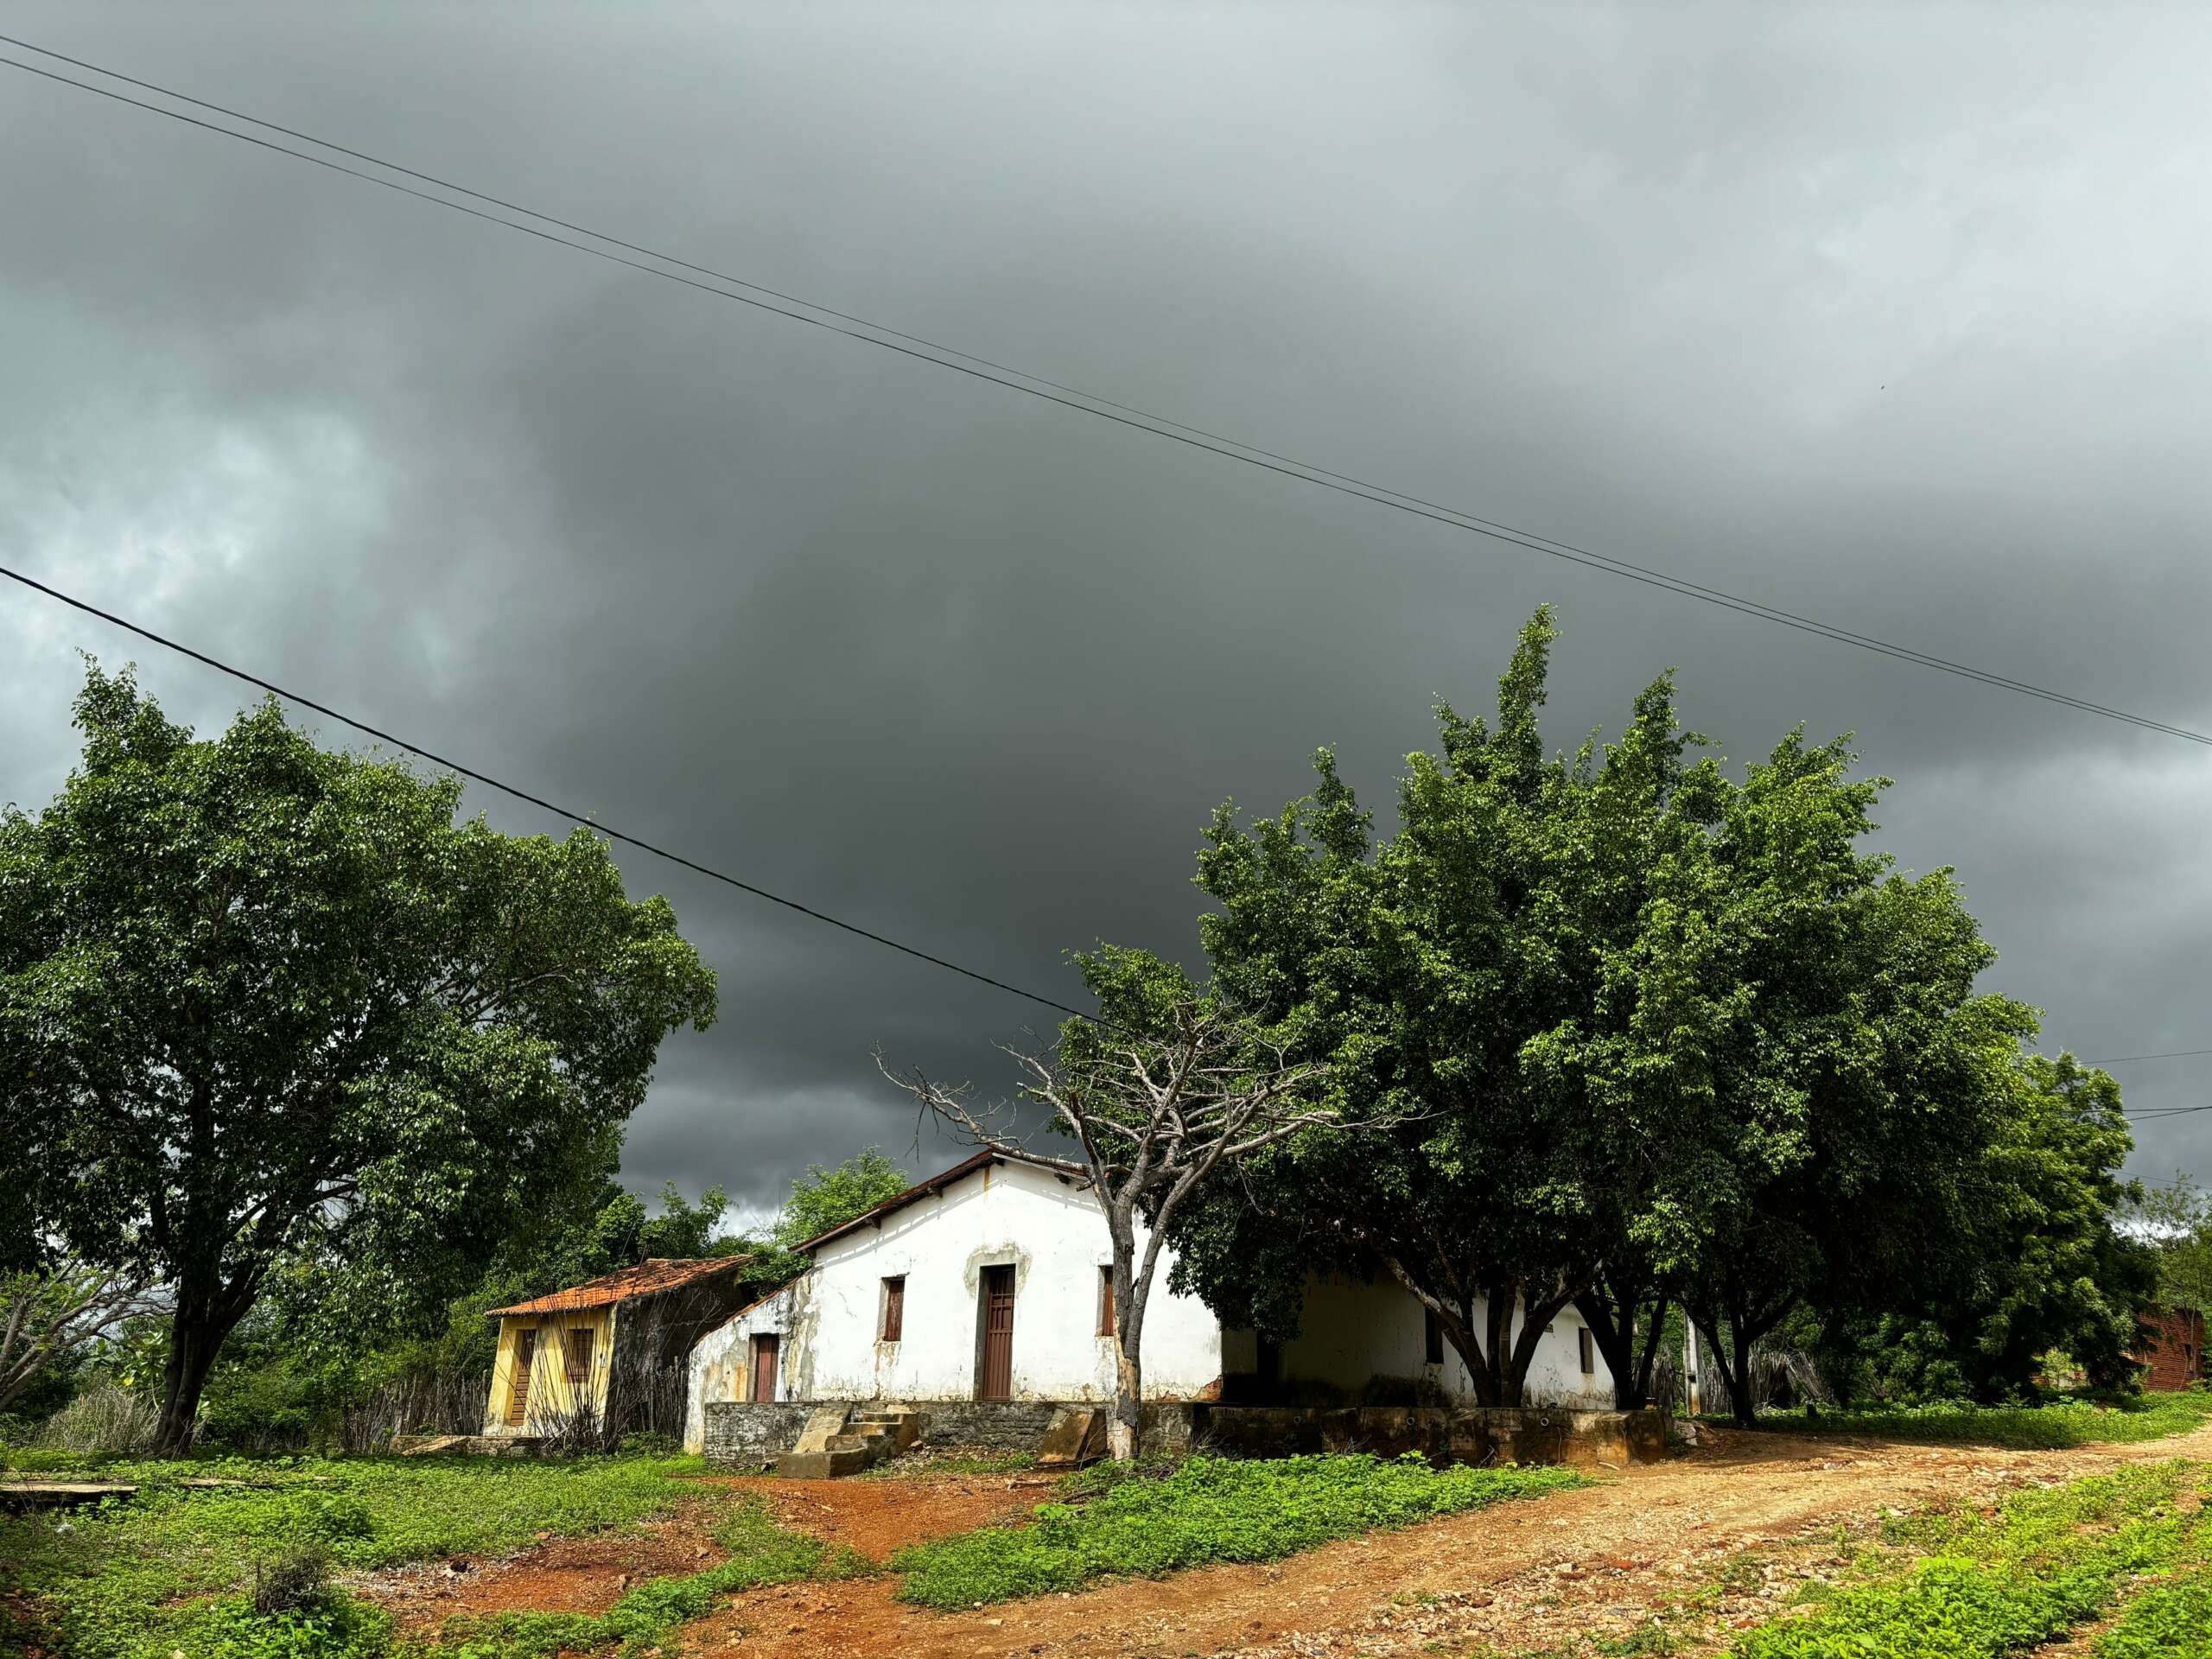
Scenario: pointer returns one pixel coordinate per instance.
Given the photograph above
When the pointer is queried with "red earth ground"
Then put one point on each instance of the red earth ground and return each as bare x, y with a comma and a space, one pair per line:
1732, 1528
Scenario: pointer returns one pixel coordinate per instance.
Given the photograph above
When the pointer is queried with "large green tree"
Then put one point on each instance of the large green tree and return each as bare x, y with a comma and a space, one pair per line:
259, 999
1862, 1078
1510, 981
1649, 1032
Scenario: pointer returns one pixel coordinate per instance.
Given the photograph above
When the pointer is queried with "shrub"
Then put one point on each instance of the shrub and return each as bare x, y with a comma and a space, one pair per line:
298, 1578
103, 1418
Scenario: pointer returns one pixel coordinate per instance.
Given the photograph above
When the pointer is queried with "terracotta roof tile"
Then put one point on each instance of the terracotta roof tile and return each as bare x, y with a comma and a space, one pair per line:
652, 1277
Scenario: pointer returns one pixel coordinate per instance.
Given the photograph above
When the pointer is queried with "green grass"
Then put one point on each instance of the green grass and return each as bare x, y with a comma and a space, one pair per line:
166, 1573
761, 1552
1208, 1509
1981, 1587
2063, 1423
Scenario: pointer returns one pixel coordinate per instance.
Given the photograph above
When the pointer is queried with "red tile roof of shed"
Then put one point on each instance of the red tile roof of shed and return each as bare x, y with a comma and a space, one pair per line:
650, 1278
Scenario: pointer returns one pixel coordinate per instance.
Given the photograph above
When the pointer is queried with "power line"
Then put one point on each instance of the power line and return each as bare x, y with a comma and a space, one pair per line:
1036, 386
2170, 1054
638, 841
554, 807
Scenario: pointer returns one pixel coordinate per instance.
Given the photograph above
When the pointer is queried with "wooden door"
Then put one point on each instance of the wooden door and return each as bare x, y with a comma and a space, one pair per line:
764, 1366
519, 1377
997, 1381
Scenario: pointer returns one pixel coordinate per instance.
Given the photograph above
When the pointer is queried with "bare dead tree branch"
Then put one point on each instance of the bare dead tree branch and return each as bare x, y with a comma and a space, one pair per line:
1154, 1119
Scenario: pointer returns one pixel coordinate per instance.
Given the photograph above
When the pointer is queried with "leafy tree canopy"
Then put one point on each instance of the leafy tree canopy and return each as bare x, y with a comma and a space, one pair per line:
260, 999
1650, 1031
827, 1197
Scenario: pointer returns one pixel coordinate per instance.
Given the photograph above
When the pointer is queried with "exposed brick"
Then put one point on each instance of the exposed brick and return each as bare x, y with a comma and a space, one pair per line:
2173, 1353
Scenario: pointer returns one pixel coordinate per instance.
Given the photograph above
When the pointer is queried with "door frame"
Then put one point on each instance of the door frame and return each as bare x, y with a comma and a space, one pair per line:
995, 1275
765, 1345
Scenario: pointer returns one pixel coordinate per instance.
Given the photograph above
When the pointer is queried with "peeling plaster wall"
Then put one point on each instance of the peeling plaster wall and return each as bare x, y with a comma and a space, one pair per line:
1047, 1229
1351, 1332
722, 1361
552, 1398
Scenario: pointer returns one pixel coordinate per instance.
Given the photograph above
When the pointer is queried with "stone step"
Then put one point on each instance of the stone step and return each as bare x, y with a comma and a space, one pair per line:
823, 1465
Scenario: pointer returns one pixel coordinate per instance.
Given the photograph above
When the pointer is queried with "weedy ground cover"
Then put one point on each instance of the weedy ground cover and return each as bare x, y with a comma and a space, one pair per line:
761, 1552
2171, 1621
1207, 1509
1970, 1587
173, 1569
2059, 1424
926, 1465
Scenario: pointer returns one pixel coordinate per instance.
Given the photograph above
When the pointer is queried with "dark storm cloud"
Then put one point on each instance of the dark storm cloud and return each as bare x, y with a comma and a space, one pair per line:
1896, 318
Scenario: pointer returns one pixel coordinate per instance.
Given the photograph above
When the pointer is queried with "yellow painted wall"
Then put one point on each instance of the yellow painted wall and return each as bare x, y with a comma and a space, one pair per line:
550, 1397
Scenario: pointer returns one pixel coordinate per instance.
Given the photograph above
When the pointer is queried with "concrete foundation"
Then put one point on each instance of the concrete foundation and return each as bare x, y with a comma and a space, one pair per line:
750, 1434
1440, 1433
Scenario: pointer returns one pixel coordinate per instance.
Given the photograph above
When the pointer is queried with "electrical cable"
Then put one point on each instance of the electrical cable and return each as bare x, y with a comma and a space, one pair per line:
522, 794
1096, 405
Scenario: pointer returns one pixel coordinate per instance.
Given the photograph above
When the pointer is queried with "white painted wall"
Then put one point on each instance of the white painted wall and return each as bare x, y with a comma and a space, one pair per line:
1045, 1225
1047, 1228
722, 1360
1351, 1332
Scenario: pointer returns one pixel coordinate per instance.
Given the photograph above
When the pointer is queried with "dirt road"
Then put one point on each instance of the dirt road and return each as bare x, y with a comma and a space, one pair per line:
1743, 1519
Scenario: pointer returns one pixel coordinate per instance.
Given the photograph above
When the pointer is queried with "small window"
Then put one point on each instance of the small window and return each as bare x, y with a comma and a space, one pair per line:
1589, 1351
580, 1346
1432, 1337
1107, 1325
894, 1308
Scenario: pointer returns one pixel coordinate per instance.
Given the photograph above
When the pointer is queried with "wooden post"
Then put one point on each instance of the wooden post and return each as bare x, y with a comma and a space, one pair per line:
1689, 1369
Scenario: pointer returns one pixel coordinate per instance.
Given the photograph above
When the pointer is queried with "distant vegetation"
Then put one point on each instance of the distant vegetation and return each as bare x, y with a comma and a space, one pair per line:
2058, 1423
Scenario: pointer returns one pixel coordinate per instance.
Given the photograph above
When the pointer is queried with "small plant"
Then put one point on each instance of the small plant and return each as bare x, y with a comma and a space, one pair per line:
298, 1578
2173, 1621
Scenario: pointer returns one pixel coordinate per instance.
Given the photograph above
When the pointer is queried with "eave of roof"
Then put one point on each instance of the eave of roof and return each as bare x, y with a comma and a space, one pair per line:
654, 1277
937, 1183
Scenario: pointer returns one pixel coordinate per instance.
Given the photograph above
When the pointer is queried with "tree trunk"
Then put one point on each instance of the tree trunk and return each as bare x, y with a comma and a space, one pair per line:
196, 1335
1614, 1309
1746, 1324
1535, 1319
1739, 1376
1124, 1429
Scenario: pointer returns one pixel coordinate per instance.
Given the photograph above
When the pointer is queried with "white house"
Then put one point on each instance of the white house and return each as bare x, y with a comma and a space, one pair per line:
988, 1281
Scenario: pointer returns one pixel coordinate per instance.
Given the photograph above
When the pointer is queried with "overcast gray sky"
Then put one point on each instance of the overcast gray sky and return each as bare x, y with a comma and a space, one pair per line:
1896, 317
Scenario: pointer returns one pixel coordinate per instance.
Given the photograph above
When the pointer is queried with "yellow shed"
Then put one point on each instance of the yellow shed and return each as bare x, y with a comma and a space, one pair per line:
590, 1361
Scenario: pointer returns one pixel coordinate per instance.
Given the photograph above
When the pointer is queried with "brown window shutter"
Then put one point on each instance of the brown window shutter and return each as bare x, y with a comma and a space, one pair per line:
1107, 1325
580, 1345
894, 1308
1589, 1351
1432, 1337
